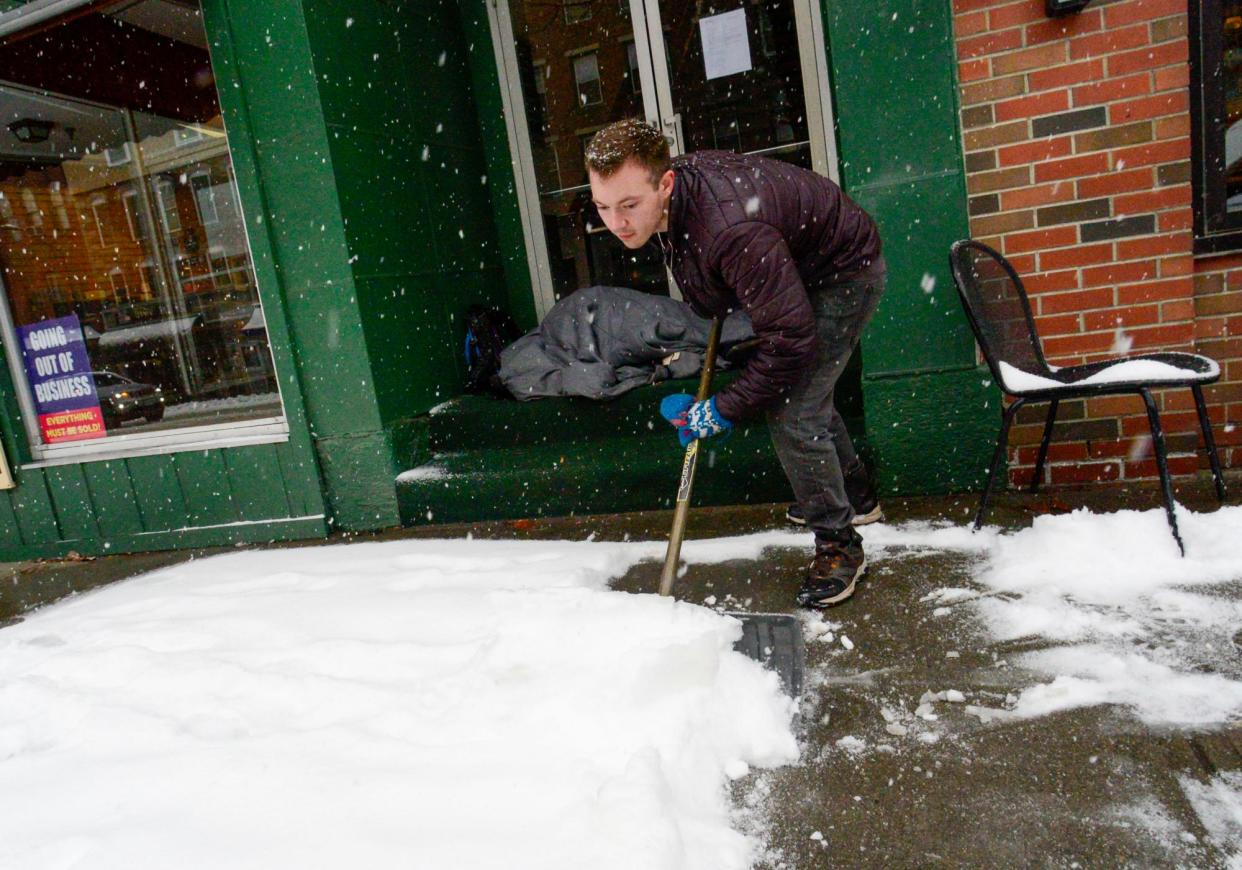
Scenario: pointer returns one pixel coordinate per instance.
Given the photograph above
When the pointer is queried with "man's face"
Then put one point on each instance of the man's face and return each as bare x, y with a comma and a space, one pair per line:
631, 206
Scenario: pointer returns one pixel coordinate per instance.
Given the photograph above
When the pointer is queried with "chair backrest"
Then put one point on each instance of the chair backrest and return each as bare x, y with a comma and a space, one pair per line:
997, 307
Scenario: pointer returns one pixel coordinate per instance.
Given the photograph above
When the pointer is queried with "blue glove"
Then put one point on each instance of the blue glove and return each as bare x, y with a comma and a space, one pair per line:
693, 419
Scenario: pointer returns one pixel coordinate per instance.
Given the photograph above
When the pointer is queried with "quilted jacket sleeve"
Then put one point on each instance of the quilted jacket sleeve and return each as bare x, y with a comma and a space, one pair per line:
754, 261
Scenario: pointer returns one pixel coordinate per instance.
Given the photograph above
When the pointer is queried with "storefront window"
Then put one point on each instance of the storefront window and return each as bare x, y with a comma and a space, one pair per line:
130, 296
1217, 66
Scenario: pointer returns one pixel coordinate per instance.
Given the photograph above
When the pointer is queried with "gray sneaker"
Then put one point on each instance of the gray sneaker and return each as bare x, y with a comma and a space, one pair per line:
793, 514
858, 490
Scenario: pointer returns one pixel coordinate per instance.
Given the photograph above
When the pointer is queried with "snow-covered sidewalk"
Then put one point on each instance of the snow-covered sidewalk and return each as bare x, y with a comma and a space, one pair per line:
479, 704
1125, 619
453, 704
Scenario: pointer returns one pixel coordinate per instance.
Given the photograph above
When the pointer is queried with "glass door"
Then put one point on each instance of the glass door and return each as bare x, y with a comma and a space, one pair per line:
740, 75
736, 75
578, 69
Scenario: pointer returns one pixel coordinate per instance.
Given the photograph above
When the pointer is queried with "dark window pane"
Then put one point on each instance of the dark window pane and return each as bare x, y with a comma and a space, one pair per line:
1229, 134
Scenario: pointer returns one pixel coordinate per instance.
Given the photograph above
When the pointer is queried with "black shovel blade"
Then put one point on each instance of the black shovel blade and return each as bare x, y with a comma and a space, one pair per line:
775, 641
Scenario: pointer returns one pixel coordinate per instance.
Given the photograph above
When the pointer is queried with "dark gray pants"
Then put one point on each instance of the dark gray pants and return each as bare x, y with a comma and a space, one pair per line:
807, 431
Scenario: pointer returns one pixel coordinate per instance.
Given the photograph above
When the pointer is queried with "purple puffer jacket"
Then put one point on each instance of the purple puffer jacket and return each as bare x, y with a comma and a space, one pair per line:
752, 233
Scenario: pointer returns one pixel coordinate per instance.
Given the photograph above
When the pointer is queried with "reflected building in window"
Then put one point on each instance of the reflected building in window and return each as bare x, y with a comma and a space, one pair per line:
120, 208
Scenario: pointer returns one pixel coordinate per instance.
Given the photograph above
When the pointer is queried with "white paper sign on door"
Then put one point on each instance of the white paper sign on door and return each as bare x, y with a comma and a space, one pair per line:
726, 48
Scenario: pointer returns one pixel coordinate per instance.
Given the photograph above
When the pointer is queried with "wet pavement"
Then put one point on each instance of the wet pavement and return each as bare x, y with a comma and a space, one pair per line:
878, 785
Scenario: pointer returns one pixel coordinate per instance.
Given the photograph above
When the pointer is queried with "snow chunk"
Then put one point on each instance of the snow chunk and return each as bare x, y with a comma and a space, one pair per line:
851, 744
424, 472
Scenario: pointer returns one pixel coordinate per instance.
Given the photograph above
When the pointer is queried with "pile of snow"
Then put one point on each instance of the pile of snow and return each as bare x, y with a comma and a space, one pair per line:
459, 704
1135, 623
1126, 619
424, 472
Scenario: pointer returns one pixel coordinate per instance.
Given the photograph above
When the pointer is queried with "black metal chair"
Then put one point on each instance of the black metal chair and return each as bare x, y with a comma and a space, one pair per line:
1000, 315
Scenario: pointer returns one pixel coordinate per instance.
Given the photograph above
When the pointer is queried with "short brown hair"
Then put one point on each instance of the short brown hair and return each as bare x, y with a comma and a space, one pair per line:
612, 146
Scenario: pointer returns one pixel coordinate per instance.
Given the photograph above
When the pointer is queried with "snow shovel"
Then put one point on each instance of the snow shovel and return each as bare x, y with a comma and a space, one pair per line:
772, 639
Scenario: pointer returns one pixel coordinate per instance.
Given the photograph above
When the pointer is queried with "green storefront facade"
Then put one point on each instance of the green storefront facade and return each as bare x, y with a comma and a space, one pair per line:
375, 172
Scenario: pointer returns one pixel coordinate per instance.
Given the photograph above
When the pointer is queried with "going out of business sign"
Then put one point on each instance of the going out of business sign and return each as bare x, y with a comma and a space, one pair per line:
59, 372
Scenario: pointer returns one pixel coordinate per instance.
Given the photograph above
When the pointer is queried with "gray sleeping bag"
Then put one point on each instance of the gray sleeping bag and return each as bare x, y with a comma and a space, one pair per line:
603, 341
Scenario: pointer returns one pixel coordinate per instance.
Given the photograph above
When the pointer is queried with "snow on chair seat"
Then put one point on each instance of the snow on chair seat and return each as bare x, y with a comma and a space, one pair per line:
1162, 369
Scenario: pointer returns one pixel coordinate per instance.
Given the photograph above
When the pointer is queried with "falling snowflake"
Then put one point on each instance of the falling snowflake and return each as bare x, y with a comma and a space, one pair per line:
1121, 342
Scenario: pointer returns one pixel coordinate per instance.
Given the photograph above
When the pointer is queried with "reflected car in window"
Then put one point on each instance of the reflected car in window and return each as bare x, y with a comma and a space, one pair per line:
121, 399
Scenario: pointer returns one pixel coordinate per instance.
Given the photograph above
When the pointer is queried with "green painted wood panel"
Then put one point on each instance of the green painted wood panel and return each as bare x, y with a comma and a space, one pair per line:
287, 180
10, 530
257, 211
895, 99
894, 89
460, 212
919, 325
72, 501
32, 503
299, 467
481, 58
158, 490
136, 504
113, 498
205, 484
252, 533
412, 178
256, 482
384, 203
933, 432
279, 112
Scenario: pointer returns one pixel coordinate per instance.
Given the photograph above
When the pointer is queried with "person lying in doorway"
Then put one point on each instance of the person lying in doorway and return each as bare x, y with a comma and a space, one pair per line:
789, 248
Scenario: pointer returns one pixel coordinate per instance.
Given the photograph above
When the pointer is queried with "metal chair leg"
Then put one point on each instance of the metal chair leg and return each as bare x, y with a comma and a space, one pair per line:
998, 459
1209, 442
1043, 445
1162, 464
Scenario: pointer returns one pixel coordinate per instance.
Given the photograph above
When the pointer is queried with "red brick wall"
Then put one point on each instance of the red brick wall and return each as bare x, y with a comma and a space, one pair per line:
1077, 139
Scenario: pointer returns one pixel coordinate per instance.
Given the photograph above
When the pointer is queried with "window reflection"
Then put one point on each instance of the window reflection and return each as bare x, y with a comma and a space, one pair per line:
758, 111
1231, 73
122, 221
576, 79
